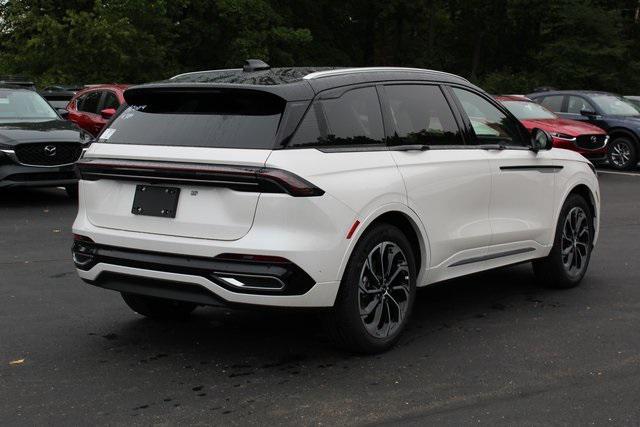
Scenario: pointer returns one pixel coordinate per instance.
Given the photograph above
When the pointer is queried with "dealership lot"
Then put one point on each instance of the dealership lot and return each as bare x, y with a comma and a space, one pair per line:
488, 348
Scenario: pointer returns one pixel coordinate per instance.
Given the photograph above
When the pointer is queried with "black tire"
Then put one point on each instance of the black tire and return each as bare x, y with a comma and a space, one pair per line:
390, 297
557, 270
622, 153
72, 191
158, 308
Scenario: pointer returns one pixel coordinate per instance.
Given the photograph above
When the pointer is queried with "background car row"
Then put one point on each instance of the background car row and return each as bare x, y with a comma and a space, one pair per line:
40, 142
619, 117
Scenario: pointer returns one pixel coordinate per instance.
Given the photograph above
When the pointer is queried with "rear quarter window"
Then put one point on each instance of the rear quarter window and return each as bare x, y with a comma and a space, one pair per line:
354, 119
553, 103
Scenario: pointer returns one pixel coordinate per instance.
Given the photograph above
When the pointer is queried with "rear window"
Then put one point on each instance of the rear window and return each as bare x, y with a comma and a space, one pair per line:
216, 119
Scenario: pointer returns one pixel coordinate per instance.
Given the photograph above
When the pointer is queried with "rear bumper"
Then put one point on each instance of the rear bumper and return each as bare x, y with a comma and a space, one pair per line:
238, 275
14, 175
198, 289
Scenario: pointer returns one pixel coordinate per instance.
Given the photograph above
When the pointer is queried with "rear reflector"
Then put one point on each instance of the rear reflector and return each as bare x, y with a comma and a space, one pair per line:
267, 259
239, 178
353, 229
80, 238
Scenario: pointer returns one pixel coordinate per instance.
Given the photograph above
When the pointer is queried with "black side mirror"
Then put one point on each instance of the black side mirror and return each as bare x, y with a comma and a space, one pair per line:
64, 113
541, 140
588, 113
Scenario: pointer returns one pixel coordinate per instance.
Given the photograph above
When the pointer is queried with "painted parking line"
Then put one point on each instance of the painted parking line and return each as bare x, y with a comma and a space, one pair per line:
619, 173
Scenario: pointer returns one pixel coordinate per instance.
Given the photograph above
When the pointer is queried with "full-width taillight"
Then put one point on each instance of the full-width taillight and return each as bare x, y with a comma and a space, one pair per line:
239, 178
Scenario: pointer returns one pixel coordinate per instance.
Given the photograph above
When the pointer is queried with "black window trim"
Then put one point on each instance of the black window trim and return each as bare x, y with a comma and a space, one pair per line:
473, 137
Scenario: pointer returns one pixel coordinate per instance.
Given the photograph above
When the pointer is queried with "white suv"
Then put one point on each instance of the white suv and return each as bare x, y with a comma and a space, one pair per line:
341, 188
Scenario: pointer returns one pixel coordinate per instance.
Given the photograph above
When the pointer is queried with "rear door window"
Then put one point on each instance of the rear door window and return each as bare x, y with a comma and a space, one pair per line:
553, 103
90, 102
577, 104
216, 118
354, 119
421, 115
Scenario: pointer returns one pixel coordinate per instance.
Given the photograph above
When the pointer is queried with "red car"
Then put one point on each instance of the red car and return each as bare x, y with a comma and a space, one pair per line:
91, 108
586, 139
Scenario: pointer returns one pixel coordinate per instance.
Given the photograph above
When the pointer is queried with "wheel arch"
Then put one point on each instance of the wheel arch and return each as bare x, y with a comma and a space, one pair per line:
408, 222
587, 191
623, 132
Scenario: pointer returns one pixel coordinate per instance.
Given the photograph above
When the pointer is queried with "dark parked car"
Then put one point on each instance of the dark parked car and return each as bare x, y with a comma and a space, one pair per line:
92, 107
37, 147
20, 81
585, 138
608, 111
60, 95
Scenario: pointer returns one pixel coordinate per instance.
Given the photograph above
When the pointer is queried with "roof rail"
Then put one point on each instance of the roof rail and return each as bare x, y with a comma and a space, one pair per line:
340, 71
204, 71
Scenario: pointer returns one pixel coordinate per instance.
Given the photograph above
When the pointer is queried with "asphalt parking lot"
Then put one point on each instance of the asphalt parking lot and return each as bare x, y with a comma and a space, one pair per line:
493, 348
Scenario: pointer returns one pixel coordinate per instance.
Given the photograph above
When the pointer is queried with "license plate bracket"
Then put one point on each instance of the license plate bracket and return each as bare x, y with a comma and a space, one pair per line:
150, 200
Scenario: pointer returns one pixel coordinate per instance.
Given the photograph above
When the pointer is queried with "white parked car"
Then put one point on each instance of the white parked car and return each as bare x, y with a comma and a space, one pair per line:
341, 188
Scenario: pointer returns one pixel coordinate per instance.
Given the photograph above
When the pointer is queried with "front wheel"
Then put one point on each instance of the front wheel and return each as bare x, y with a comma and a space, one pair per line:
158, 308
569, 258
622, 154
377, 292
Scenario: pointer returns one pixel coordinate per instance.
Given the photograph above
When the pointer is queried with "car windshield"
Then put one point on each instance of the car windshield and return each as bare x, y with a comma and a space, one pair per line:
19, 105
525, 110
614, 105
635, 102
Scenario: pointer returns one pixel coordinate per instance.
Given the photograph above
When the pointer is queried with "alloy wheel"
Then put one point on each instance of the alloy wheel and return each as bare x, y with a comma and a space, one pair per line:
620, 154
576, 241
384, 290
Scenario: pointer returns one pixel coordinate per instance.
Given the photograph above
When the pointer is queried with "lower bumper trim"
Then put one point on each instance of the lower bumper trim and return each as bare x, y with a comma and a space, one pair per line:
187, 292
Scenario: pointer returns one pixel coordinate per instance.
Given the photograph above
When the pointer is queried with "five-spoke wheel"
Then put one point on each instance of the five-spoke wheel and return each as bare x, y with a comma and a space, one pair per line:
622, 154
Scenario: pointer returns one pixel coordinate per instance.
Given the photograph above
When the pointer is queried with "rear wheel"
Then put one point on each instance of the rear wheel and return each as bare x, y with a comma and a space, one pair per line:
377, 292
569, 258
158, 308
622, 154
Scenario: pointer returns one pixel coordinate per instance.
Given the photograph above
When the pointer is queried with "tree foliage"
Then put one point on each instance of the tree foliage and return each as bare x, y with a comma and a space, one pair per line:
503, 45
